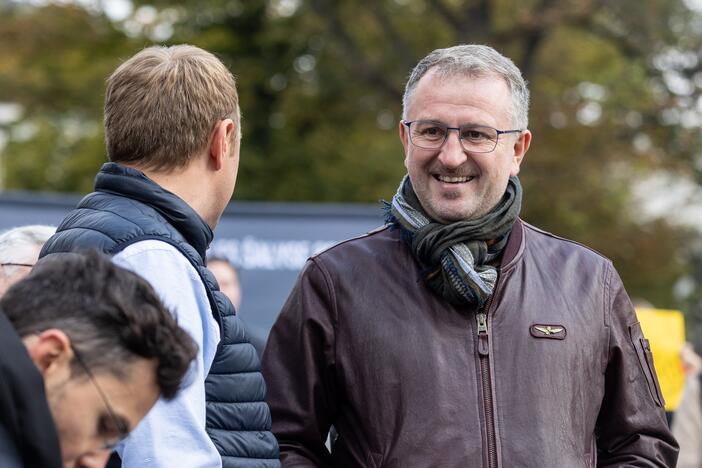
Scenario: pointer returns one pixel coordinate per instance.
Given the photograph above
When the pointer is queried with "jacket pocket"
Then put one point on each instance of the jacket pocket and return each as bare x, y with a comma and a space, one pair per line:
645, 358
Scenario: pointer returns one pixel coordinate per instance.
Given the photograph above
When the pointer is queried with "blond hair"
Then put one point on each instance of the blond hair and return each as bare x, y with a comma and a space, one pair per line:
162, 104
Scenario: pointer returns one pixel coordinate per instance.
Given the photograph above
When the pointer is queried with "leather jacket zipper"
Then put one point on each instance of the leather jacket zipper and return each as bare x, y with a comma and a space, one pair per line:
486, 382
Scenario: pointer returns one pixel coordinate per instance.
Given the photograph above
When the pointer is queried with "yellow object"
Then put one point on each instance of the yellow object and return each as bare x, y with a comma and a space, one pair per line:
665, 331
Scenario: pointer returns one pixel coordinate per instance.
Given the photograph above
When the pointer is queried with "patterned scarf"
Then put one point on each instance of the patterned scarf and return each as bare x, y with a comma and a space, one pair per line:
457, 254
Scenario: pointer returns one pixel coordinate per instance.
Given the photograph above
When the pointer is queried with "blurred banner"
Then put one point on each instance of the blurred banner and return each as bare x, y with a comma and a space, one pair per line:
267, 242
665, 330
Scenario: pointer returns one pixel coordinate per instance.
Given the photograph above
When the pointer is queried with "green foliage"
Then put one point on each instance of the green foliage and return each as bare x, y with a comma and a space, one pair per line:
54, 61
320, 85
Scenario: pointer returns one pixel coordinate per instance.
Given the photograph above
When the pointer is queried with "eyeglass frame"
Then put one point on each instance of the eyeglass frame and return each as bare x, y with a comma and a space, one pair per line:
119, 425
408, 124
28, 265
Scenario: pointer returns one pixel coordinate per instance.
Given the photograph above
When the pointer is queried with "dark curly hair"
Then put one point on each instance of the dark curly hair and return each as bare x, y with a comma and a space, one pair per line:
111, 315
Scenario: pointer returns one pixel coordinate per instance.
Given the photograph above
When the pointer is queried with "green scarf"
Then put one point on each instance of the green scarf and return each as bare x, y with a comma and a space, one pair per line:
457, 255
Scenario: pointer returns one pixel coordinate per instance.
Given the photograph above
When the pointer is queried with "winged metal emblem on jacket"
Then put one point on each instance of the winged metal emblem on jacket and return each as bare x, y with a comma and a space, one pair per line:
549, 330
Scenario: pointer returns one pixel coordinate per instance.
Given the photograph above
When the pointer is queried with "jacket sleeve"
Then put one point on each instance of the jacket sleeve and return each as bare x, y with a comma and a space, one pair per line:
632, 430
298, 365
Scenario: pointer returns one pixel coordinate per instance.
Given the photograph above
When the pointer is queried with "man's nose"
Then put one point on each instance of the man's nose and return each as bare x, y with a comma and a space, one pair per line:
96, 459
452, 153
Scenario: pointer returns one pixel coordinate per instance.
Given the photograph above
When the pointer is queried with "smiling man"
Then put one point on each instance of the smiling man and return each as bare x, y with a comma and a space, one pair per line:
459, 335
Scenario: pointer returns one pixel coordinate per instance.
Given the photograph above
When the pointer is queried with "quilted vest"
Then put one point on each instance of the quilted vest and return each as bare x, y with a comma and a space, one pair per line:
127, 207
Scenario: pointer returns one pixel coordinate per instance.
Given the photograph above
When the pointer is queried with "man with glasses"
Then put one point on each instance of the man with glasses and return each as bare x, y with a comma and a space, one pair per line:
86, 349
19, 250
459, 335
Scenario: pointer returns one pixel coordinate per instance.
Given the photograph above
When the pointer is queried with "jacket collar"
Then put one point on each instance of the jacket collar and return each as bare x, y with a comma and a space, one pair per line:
128, 182
514, 248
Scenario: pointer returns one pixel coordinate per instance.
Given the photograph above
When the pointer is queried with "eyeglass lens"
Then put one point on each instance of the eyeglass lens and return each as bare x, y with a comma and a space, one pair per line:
474, 138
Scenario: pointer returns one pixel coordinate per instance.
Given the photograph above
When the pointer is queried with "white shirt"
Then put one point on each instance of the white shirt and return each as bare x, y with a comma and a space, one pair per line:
173, 433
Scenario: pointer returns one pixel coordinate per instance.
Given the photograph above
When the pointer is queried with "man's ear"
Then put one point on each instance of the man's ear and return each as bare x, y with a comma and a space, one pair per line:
50, 350
521, 146
222, 139
404, 138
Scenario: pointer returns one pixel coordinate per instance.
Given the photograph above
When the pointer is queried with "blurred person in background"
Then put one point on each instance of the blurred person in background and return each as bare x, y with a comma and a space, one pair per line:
228, 279
173, 134
687, 421
459, 335
86, 348
19, 251
691, 361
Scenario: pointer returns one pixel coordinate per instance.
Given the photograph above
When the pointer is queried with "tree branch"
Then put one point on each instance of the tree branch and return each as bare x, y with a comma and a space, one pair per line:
369, 71
547, 15
471, 25
536, 35
451, 17
477, 21
399, 44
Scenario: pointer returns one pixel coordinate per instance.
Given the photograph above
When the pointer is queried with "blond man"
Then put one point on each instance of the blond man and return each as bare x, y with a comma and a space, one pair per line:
172, 128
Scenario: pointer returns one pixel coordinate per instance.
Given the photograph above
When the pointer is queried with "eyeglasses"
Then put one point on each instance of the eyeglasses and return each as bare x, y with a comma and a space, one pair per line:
9, 268
429, 134
119, 425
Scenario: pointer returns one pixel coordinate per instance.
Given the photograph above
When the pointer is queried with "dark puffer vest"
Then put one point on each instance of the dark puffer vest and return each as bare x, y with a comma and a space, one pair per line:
127, 207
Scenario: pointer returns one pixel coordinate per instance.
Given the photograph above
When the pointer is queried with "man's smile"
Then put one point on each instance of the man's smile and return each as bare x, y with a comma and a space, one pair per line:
453, 179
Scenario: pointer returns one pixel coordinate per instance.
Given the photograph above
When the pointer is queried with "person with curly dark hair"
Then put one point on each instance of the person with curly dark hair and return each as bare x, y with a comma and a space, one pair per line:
86, 349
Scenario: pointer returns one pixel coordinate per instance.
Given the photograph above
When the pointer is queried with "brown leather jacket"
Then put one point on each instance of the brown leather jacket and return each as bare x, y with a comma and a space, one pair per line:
554, 372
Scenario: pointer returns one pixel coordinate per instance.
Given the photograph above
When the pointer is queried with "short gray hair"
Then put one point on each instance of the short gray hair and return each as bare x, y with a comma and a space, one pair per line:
475, 61
17, 245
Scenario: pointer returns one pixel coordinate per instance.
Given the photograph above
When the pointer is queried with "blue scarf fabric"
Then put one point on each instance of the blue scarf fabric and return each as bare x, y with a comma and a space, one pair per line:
457, 255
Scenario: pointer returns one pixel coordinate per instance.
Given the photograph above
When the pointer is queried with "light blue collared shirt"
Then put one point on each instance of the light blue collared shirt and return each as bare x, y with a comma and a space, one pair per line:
173, 432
